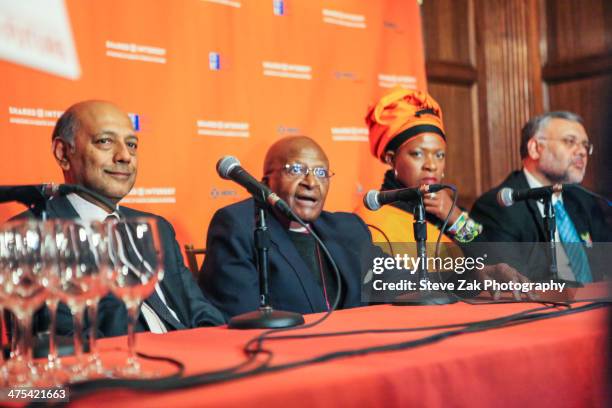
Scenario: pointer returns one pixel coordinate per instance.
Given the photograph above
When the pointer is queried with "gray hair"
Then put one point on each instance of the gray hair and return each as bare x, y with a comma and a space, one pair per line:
66, 127
537, 123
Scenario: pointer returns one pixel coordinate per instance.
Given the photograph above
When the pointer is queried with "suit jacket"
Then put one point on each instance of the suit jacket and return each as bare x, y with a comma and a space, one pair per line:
523, 223
180, 289
229, 274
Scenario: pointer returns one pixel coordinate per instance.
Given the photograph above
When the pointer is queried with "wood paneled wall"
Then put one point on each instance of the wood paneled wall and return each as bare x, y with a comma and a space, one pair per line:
492, 64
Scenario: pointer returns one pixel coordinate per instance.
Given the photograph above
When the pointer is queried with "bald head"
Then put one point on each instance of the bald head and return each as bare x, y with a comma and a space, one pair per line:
68, 124
95, 145
291, 146
283, 164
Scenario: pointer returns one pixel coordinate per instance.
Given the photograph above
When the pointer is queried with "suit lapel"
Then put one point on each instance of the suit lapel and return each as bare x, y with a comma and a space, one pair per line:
60, 207
572, 206
286, 249
532, 205
345, 258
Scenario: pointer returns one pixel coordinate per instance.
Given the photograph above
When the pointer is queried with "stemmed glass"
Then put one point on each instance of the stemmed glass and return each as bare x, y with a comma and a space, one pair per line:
56, 375
80, 282
100, 240
137, 256
27, 251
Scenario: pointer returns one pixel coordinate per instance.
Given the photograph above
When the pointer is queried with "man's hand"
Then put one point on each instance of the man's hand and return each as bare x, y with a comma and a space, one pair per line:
503, 272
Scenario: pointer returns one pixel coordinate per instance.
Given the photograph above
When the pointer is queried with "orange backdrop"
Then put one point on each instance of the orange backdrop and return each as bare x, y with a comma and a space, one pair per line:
207, 78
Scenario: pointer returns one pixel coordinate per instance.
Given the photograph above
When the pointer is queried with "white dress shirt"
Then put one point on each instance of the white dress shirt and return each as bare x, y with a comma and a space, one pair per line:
89, 212
563, 266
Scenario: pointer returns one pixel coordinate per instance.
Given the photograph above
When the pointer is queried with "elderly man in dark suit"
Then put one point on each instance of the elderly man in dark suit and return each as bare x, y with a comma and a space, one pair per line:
301, 280
555, 148
95, 145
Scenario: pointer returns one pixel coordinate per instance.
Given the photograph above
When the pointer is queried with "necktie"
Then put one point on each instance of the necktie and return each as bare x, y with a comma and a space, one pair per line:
572, 245
154, 302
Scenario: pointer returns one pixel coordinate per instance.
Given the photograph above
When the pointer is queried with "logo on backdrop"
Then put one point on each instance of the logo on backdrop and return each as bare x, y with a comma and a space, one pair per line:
135, 52
283, 130
216, 193
135, 118
285, 70
349, 134
278, 7
156, 195
391, 80
214, 61
223, 129
392, 25
346, 75
343, 19
33, 116
229, 3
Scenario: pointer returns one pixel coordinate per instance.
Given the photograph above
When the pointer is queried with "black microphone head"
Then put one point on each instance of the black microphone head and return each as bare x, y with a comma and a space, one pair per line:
370, 200
504, 197
225, 165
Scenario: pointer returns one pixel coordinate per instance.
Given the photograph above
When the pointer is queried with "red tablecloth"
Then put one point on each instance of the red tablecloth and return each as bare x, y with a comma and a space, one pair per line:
557, 362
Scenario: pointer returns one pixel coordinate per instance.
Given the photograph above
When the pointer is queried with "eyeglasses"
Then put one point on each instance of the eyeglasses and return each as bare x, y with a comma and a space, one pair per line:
299, 169
572, 143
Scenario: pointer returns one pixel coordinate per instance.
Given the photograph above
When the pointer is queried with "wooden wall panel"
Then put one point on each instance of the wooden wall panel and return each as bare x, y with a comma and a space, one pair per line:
447, 30
463, 157
590, 98
510, 80
577, 29
493, 64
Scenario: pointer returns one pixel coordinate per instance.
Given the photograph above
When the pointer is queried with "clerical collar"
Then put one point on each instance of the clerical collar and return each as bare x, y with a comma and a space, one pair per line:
299, 229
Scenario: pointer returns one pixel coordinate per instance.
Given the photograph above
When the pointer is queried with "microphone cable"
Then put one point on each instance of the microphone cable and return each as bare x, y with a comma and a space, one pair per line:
80, 390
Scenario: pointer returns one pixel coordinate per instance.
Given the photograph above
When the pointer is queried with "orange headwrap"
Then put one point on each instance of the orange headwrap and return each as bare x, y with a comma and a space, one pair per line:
399, 115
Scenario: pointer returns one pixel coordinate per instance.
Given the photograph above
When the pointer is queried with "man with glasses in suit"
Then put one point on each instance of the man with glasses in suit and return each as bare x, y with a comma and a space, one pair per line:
301, 279
555, 148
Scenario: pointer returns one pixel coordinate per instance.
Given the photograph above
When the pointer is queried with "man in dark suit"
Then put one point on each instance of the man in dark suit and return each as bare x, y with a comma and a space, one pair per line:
95, 145
301, 280
555, 149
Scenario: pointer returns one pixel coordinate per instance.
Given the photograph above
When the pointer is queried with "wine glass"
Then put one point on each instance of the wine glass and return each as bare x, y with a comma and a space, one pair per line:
80, 282
50, 280
137, 256
27, 252
100, 240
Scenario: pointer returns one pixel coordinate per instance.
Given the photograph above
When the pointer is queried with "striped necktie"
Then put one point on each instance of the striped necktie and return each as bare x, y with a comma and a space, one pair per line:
154, 310
572, 245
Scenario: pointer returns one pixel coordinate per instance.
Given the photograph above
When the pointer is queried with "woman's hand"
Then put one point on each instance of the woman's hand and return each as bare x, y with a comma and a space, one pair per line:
439, 204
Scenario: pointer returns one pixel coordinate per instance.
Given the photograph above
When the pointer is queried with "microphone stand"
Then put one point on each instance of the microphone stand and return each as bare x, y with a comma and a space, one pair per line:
422, 297
265, 317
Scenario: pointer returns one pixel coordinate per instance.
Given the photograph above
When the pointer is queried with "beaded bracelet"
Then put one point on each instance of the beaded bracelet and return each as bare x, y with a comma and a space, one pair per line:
465, 229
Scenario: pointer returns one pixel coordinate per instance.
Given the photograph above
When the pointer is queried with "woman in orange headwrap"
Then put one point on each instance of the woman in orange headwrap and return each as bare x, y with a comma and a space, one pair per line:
407, 133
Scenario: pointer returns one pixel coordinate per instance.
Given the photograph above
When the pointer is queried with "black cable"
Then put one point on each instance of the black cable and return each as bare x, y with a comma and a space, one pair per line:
205, 378
259, 339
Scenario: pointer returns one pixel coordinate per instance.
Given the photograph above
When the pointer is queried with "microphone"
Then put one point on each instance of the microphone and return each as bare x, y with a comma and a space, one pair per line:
34, 194
507, 196
375, 199
229, 168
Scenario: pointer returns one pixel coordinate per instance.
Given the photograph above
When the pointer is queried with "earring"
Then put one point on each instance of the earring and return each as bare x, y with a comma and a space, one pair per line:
395, 173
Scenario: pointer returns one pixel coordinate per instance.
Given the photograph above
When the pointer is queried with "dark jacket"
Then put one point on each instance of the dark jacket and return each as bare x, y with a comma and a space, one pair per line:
229, 274
523, 223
